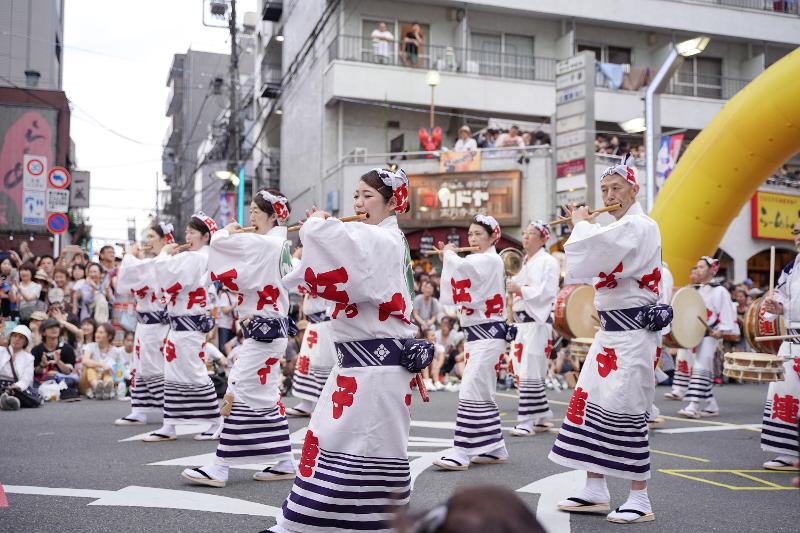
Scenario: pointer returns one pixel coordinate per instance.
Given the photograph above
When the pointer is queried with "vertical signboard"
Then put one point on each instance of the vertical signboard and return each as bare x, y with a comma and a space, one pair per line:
574, 129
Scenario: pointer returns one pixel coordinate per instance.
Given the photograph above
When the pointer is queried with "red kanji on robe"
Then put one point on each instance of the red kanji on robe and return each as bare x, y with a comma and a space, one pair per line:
264, 372
228, 279
173, 292
311, 339
268, 296
281, 409
650, 281
494, 306
138, 349
577, 406
141, 293
396, 307
683, 366
608, 280
606, 361
169, 351
461, 290
350, 310
345, 395
658, 357
308, 458
197, 297
797, 365
303, 363
518, 347
785, 408
325, 284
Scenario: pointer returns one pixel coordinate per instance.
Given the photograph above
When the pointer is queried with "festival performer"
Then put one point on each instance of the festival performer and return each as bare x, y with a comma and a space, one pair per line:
605, 429
251, 266
721, 319
476, 284
354, 472
779, 429
665, 297
316, 358
683, 372
137, 275
189, 395
535, 288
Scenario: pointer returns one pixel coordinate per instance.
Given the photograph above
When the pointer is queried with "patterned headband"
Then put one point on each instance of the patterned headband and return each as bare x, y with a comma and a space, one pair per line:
279, 205
491, 222
625, 169
710, 261
399, 184
207, 220
167, 229
542, 227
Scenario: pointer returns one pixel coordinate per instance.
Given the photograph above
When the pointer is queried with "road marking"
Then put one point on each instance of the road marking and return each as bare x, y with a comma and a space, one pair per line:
3, 499
747, 427
710, 422
135, 496
554, 489
742, 473
671, 454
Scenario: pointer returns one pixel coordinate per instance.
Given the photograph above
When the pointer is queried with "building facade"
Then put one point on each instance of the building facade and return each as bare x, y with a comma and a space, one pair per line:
337, 99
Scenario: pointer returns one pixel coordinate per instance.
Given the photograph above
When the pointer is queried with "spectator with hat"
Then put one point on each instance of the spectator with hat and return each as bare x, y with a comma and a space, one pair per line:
16, 372
53, 358
465, 141
35, 320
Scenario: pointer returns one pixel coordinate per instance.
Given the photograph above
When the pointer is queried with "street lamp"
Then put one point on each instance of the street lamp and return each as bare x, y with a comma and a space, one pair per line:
432, 79
652, 104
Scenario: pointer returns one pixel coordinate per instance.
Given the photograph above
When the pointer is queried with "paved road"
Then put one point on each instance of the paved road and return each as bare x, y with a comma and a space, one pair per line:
66, 468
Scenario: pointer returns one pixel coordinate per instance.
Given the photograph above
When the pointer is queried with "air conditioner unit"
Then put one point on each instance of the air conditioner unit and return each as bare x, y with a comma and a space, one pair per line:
358, 155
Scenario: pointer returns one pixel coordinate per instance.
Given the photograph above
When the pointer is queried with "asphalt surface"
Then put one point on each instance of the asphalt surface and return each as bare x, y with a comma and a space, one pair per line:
75, 447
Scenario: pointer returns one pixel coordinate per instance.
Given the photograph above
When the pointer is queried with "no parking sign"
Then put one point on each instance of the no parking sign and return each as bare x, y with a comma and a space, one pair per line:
57, 222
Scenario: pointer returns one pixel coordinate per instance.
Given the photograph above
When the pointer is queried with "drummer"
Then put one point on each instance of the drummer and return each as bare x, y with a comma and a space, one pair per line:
534, 289
721, 319
779, 433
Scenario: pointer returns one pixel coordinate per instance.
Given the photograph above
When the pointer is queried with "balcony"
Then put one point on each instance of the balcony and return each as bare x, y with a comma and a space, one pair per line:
173, 135
174, 100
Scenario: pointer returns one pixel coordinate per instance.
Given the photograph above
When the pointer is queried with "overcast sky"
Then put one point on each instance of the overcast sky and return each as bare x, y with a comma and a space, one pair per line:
116, 59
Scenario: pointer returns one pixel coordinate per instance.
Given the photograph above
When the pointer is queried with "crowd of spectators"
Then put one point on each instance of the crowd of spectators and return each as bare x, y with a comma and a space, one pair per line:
612, 145
785, 177
495, 138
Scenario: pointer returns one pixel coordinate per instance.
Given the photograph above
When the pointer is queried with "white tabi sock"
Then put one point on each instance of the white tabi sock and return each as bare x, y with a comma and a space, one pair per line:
693, 407
527, 424
216, 471
166, 429
637, 499
712, 405
595, 491
305, 405
285, 466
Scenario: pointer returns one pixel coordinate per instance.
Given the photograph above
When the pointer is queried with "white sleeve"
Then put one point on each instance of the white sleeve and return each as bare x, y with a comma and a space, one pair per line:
544, 288
727, 313
466, 276
134, 274
24, 371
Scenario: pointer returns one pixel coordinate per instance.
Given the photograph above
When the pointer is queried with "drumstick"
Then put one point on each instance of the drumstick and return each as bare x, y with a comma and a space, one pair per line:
457, 250
705, 324
562, 220
777, 338
771, 269
354, 218
423, 391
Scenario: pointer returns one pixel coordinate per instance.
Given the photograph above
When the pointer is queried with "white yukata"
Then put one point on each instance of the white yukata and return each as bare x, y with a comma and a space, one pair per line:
532, 307
779, 428
147, 383
317, 353
251, 266
354, 472
605, 428
722, 317
189, 395
665, 288
476, 284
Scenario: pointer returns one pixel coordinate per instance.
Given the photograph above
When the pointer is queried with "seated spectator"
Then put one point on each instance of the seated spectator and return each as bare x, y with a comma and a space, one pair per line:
47, 265
8, 278
452, 342
99, 358
426, 307
465, 142
27, 292
53, 358
69, 322
438, 360
510, 139
61, 282
35, 320
481, 509
92, 293
558, 368
16, 372
527, 138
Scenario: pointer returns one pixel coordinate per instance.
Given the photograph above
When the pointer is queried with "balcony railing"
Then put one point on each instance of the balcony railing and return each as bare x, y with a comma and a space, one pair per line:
705, 86
779, 6
444, 59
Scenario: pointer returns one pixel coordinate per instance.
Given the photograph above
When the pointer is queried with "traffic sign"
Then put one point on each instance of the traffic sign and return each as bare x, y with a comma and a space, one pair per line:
33, 208
79, 191
34, 172
57, 200
58, 178
57, 222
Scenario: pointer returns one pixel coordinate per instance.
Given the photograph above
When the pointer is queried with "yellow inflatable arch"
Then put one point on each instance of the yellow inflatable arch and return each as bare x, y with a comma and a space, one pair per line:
750, 138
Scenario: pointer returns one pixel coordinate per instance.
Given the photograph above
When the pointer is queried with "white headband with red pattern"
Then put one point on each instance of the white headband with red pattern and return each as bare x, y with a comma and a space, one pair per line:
626, 169
542, 227
167, 229
279, 205
399, 183
491, 222
207, 220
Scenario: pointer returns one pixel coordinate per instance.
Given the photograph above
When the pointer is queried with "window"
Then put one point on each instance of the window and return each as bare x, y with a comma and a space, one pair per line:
609, 54
487, 51
699, 76
412, 54
380, 50
502, 55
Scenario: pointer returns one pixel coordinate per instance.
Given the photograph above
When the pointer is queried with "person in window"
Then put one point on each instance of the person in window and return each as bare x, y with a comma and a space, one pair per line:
465, 141
381, 43
510, 139
411, 44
